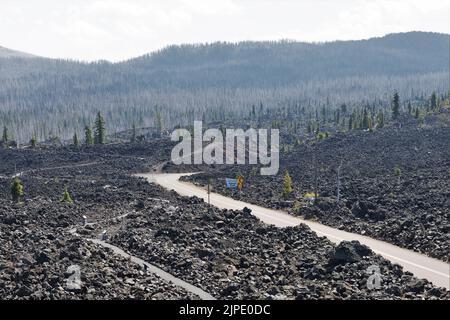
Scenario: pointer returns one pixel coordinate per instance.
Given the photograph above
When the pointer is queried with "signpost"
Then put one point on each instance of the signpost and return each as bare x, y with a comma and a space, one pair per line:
235, 183
209, 191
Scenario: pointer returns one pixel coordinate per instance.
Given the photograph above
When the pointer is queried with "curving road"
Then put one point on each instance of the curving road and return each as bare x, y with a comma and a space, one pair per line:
420, 265
154, 269
150, 267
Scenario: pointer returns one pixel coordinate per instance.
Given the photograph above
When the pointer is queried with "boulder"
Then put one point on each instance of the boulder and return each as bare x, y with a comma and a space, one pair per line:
416, 285
362, 208
349, 252
42, 257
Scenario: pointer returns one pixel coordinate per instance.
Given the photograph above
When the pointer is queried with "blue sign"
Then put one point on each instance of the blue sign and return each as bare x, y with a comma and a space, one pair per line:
231, 183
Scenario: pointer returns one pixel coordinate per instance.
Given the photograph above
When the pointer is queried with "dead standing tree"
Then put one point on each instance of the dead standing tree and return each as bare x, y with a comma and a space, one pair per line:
313, 151
338, 198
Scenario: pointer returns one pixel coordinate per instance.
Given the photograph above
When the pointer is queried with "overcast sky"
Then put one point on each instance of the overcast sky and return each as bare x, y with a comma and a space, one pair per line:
119, 29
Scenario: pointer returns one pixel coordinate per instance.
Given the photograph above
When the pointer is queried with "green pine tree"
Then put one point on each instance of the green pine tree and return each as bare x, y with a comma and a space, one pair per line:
66, 196
76, 143
33, 141
5, 136
16, 190
100, 131
287, 185
433, 101
89, 140
395, 105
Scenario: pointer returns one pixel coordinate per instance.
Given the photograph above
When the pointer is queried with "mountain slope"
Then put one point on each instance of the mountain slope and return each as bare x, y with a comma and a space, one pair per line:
275, 63
8, 53
221, 80
255, 64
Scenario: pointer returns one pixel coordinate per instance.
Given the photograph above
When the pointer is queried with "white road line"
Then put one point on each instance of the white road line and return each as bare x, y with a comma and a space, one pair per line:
154, 269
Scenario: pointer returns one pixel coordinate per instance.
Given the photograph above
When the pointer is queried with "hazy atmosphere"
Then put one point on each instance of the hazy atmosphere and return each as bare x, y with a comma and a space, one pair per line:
228, 150
117, 30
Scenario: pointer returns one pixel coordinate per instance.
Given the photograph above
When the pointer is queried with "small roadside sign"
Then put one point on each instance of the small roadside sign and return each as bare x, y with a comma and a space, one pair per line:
240, 182
231, 183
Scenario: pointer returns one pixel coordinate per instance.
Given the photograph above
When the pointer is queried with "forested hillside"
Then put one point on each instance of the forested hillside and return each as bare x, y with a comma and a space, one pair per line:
267, 64
47, 97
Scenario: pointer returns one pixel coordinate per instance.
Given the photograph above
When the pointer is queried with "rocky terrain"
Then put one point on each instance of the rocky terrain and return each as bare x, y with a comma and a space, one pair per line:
229, 254
394, 183
233, 255
38, 255
38, 245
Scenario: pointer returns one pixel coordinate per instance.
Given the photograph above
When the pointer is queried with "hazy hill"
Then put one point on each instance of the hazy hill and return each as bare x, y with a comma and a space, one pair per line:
261, 64
218, 79
8, 53
275, 63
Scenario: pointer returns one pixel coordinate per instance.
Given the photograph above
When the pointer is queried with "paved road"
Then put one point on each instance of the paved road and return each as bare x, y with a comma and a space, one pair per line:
420, 265
154, 269
150, 267
69, 166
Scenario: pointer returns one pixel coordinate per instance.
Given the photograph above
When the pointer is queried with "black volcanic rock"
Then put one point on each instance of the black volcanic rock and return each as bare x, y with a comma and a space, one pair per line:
230, 254
349, 252
409, 210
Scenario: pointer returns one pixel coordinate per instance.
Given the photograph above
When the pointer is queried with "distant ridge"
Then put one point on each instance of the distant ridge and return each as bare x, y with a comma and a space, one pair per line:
185, 82
8, 53
275, 63
262, 64
412, 40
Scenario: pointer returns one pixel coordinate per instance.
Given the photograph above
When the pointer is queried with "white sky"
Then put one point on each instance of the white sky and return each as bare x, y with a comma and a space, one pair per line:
119, 29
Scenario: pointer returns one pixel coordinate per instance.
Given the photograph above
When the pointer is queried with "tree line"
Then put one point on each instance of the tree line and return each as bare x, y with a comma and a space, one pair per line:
48, 99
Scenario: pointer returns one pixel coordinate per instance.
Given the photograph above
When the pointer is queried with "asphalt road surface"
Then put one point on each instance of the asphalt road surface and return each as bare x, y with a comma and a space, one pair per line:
422, 266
